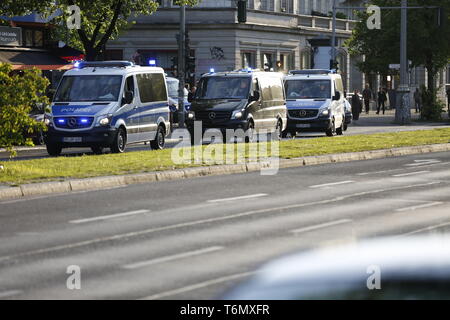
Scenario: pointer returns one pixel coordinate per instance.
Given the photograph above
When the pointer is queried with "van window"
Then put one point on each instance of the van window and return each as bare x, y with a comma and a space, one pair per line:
276, 89
89, 88
172, 88
308, 89
152, 87
339, 85
129, 84
266, 93
223, 88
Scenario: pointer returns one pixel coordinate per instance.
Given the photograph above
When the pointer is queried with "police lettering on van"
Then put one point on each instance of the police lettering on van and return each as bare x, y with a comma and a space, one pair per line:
108, 105
315, 102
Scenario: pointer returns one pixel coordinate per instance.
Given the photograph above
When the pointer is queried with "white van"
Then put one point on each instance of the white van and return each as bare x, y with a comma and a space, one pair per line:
108, 105
315, 102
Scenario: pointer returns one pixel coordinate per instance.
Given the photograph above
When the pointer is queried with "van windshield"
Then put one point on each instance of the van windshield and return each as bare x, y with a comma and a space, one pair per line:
223, 88
308, 89
89, 88
172, 88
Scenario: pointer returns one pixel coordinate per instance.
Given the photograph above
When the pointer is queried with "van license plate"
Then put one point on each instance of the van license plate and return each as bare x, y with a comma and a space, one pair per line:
303, 125
72, 139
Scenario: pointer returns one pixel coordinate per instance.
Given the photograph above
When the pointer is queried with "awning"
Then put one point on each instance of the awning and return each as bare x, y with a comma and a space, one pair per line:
21, 59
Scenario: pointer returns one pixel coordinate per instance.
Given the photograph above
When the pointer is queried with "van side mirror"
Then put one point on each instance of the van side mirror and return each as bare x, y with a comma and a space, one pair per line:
255, 96
128, 98
337, 96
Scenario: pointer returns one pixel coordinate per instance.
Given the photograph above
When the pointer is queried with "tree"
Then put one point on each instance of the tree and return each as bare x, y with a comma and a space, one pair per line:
428, 40
101, 20
19, 93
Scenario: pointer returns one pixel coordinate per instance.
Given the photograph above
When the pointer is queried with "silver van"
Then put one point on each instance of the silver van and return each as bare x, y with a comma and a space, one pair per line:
108, 105
315, 102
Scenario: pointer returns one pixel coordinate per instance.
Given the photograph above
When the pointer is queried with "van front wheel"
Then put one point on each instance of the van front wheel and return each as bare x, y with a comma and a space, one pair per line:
160, 139
330, 131
54, 150
119, 143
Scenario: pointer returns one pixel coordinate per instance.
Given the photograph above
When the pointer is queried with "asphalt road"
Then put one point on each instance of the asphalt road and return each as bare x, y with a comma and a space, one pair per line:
367, 124
193, 239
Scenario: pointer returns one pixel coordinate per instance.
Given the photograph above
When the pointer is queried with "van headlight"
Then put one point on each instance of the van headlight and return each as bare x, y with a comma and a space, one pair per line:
237, 114
105, 120
191, 115
325, 112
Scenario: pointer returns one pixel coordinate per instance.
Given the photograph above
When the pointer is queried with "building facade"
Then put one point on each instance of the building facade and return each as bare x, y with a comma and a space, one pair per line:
295, 33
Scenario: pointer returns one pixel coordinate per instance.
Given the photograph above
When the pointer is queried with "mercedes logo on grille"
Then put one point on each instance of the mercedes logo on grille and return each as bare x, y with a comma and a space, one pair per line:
72, 122
303, 113
212, 115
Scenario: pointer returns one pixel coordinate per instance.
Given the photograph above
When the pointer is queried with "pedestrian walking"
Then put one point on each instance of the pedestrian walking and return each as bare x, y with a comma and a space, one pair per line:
356, 105
448, 100
367, 96
418, 100
192, 93
381, 100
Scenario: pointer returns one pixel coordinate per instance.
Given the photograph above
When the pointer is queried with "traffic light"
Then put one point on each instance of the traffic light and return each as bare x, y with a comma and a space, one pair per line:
189, 59
242, 11
174, 66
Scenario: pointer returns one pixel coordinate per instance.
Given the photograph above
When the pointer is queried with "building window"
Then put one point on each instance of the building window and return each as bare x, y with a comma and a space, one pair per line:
248, 60
28, 38
306, 58
287, 6
33, 38
287, 61
267, 61
267, 5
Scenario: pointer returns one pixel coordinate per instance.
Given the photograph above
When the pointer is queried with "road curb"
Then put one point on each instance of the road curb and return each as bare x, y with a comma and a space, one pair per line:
98, 183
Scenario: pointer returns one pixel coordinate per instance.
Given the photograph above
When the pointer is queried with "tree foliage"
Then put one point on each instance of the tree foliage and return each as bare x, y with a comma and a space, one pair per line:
428, 41
101, 20
19, 93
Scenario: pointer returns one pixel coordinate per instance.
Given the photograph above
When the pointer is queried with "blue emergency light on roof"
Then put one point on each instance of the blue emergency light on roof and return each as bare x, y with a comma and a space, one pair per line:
105, 64
76, 64
152, 62
212, 70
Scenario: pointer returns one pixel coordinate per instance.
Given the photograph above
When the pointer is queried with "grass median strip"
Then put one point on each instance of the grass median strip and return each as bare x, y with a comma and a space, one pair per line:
54, 169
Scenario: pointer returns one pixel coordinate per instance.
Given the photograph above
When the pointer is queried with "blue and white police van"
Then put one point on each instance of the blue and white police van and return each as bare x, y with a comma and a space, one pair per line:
108, 105
315, 102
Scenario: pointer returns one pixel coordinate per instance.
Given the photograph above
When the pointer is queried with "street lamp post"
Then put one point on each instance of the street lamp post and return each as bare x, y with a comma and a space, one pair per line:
403, 110
181, 65
333, 36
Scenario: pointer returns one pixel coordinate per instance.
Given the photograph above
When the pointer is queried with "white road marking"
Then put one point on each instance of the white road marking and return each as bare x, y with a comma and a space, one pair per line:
422, 206
418, 163
251, 196
400, 169
7, 294
205, 221
426, 229
111, 216
321, 226
183, 255
198, 286
377, 172
410, 174
330, 184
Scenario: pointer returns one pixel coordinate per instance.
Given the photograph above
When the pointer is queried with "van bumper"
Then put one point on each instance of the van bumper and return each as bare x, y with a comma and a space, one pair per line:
222, 126
97, 136
311, 125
